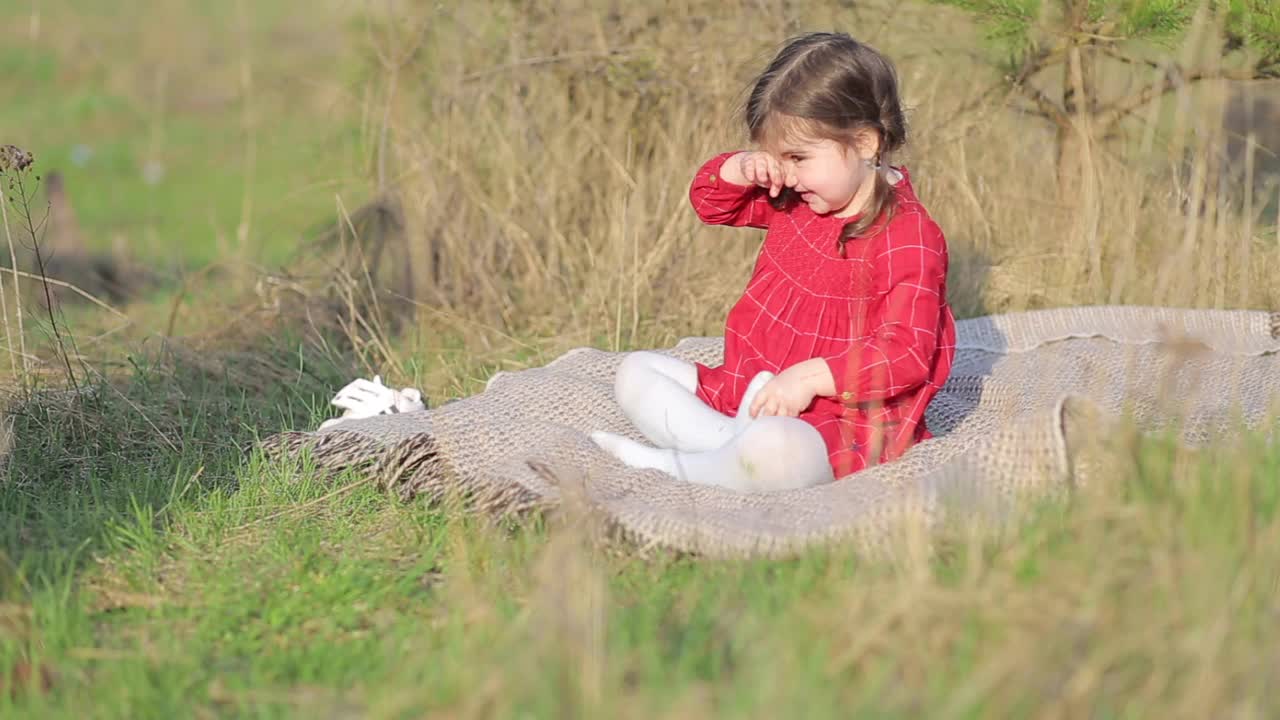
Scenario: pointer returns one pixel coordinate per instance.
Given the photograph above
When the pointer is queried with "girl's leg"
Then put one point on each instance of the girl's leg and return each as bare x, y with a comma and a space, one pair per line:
772, 453
657, 394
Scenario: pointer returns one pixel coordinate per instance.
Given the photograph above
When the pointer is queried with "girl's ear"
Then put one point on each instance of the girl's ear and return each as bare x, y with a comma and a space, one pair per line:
867, 142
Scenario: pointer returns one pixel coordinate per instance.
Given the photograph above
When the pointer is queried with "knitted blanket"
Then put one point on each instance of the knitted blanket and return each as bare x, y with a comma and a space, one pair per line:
1031, 410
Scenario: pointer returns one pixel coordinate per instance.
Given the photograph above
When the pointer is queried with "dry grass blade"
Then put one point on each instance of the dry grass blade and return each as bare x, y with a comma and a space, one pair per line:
73, 288
298, 509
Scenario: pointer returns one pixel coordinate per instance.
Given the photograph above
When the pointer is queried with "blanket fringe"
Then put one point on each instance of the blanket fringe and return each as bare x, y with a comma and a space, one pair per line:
412, 468
333, 451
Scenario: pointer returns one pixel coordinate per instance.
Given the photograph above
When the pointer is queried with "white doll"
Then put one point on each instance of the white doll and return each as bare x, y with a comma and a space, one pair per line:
364, 398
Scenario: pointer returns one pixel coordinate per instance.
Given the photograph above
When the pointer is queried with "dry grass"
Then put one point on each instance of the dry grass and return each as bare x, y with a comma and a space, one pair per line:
543, 160
539, 163
530, 168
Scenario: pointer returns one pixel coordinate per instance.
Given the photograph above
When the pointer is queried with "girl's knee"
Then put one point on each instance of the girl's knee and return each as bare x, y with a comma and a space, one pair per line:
634, 374
639, 370
762, 439
640, 361
785, 451
776, 434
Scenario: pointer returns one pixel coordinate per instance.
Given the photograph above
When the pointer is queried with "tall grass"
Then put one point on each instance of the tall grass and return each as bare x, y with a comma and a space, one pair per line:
543, 161
539, 156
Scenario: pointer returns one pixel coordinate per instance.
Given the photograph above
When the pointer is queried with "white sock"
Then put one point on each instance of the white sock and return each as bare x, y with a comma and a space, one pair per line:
658, 394
743, 419
636, 455
775, 453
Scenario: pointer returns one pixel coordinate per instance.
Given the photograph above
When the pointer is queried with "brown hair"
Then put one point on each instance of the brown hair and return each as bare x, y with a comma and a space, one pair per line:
828, 85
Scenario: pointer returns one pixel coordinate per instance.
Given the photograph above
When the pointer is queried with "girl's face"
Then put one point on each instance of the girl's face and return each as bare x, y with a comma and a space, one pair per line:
828, 176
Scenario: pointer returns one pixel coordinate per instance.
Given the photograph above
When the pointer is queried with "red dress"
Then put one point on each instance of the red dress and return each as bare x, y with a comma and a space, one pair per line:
879, 317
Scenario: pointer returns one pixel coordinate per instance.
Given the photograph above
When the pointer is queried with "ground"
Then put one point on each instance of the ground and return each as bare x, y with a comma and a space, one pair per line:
153, 564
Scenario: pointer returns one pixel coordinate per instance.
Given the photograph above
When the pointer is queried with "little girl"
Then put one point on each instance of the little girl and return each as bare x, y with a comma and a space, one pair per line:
843, 334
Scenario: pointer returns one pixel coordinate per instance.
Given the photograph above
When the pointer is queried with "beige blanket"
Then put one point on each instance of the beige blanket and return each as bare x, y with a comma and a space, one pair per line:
1030, 411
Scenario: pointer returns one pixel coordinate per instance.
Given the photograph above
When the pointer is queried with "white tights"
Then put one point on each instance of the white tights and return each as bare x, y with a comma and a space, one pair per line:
700, 445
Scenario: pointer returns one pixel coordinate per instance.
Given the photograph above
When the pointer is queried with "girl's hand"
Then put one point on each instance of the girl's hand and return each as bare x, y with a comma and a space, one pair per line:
788, 394
760, 168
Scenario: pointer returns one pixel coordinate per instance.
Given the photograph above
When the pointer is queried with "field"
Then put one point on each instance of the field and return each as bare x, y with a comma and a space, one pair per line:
536, 164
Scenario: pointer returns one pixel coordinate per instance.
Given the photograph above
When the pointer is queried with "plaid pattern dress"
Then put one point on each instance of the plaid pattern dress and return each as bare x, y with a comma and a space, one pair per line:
879, 317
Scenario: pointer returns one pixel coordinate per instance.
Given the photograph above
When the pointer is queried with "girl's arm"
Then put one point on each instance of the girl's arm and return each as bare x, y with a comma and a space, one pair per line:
897, 356
721, 196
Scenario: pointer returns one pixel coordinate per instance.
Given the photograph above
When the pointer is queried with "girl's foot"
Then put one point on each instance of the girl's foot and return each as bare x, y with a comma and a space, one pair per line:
634, 454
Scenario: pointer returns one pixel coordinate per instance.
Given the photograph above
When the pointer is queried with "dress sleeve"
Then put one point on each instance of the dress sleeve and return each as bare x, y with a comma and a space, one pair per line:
897, 356
721, 203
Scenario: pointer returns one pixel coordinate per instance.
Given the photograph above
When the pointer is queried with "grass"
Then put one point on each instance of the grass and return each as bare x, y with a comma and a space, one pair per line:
239, 589
167, 130
151, 567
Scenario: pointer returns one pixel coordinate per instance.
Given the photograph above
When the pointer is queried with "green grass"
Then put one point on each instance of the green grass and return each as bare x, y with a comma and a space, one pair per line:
173, 96
191, 581
187, 577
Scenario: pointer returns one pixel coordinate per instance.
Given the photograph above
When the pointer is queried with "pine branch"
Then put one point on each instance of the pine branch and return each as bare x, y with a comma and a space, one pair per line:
1046, 106
1109, 116
1115, 54
1036, 61
1032, 111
